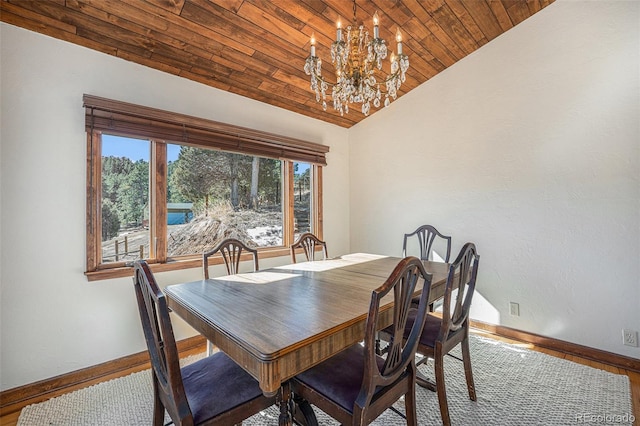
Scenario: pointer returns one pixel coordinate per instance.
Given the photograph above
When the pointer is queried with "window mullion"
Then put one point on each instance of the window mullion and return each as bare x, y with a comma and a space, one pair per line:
158, 200
316, 208
288, 204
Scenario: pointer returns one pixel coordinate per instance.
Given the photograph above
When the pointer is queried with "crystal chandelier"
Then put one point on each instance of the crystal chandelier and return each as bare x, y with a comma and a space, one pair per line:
358, 67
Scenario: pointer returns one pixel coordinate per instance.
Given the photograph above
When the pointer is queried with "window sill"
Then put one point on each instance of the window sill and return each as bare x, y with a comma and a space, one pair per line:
175, 265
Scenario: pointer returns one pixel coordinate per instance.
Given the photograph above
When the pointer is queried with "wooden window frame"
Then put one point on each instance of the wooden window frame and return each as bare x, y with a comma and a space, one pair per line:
104, 116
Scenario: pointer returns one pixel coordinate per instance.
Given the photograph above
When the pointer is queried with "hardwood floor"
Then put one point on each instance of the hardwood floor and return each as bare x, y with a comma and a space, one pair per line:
11, 419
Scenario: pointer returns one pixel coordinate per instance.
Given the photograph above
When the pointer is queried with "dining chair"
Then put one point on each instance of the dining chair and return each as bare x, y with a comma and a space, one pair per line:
212, 391
444, 332
427, 235
231, 251
356, 385
308, 242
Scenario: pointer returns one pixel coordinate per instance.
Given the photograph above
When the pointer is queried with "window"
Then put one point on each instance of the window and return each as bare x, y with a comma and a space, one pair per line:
165, 187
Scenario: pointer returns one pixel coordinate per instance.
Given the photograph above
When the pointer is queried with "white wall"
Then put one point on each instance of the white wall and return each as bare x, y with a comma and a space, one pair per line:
529, 147
53, 320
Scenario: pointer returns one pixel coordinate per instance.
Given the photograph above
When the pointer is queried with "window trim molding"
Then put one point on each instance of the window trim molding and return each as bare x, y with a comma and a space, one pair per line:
96, 270
132, 120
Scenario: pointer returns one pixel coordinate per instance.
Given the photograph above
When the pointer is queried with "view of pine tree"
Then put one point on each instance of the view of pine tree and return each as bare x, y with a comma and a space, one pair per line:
194, 176
255, 173
133, 195
110, 220
203, 176
270, 178
125, 192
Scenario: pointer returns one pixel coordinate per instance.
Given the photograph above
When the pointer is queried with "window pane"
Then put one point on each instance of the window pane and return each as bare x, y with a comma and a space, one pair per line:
125, 199
214, 195
302, 198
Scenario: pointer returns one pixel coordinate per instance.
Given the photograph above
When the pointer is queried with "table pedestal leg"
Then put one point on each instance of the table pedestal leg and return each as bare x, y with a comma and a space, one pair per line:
286, 403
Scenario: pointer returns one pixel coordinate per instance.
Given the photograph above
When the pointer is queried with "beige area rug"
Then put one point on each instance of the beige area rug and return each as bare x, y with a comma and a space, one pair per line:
515, 386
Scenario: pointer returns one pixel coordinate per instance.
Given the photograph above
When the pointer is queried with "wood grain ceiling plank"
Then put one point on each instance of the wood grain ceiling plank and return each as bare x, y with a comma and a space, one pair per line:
534, 6
38, 27
150, 62
485, 18
98, 35
96, 30
291, 92
501, 14
44, 21
295, 80
52, 11
171, 6
186, 29
457, 32
212, 16
281, 11
448, 51
431, 5
317, 6
461, 12
255, 62
517, 10
231, 5
135, 21
273, 24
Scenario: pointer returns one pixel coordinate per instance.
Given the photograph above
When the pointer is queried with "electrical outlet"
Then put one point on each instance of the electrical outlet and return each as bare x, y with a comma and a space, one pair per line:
630, 338
514, 309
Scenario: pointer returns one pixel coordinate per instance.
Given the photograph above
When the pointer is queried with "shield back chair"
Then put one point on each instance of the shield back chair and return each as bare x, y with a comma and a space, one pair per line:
442, 333
231, 251
356, 385
211, 391
429, 239
308, 242
427, 235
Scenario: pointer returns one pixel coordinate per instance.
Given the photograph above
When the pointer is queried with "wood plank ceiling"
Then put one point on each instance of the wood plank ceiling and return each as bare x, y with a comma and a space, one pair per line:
257, 48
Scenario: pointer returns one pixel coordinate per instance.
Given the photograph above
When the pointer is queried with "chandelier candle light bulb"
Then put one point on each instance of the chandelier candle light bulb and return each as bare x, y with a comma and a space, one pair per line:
313, 45
358, 68
376, 29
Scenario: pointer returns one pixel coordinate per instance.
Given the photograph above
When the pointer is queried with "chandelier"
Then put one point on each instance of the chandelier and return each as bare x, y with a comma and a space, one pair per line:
358, 68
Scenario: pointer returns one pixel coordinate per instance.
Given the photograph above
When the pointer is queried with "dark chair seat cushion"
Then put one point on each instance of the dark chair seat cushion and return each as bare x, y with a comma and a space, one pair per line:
429, 332
217, 384
340, 377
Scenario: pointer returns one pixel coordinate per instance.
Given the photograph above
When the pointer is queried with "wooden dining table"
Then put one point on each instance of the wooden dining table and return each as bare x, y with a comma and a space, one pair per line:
278, 322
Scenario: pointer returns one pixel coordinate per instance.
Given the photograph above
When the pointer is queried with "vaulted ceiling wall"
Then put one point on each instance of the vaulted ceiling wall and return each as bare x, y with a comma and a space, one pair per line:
257, 48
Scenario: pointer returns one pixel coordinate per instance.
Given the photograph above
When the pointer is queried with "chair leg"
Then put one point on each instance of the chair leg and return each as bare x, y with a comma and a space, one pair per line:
410, 405
466, 359
440, 387
158, 408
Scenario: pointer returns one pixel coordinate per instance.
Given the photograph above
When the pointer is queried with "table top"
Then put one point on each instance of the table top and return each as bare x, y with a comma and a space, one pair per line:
291, 316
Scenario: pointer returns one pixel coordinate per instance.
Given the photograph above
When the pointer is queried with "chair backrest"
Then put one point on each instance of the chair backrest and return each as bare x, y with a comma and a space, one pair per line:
402, 282
426, 236
161, 343
231, 250
462, 278
308, 242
